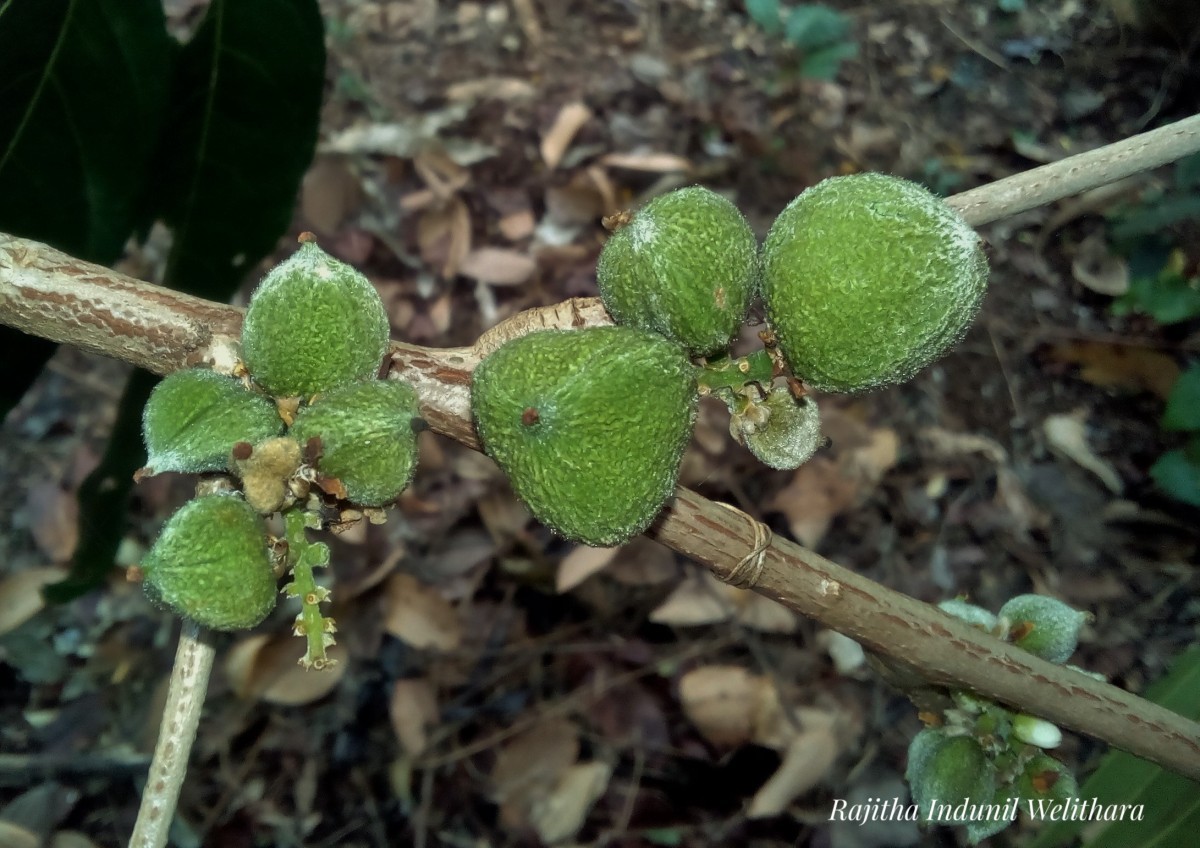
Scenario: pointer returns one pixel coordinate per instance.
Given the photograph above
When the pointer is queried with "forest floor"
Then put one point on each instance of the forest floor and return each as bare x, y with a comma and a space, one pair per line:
501, 687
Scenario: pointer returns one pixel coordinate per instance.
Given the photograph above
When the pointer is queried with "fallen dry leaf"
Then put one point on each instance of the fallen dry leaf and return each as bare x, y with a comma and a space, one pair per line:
497, 266
569, 120
580, 564
559, 814
1096, 268
330, 193
847, 655
695, 601
530, 764
1127, 367
21, 595
444, 236
643, 562
721, 702
807, 758
819, 491
265, 667
1067, 435
413, 710
53, 516
654, 162
419, 616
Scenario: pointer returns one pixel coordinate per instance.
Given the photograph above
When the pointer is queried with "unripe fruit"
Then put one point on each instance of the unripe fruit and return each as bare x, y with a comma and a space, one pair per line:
1046, 778
194, 417
589, 425
974, 615
211, 564
685, 267
1043, 626
313, 323
367, 438
784, 433
867, 279
947, 771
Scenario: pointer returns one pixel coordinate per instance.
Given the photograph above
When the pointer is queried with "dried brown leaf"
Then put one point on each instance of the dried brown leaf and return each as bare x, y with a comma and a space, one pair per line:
698, 599
569, 120
53, 516
444, 236
21, 595
806, 760
819, 491
330, 194
721, 702
498, 266
644, 562
413, 709
265, 667
419, 616
580, 564
1067, 435
653, 162
559, 814
533, 761
1127, 367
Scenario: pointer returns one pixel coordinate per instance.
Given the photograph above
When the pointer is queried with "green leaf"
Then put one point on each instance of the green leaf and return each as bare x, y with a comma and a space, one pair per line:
1011, 5
813, 26
1187, 172
824, 63
244, 112
1168, 298
1153, 217
83, 90
1178, 474
1183, 406
765, 13
1172, 802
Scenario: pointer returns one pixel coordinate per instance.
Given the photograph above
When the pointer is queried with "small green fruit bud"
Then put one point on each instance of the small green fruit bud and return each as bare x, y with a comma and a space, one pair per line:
685, 267
1046, 778
971, 614
367, 440
1043, 626
867, 279
1036, 731
194, 418
313, 323
589, 425
780, 430
211, 564
946, 772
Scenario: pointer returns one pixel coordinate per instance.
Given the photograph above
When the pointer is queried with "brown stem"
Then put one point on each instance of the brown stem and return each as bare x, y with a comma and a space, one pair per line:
46, 293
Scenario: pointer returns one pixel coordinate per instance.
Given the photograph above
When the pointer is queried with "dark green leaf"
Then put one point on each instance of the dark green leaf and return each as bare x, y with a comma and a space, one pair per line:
814, 26
824, 63
243, 127
1156, 215
1168, 298
1171, 801
83, 87
765, 13
1183, 406
1187, 172
1178, 474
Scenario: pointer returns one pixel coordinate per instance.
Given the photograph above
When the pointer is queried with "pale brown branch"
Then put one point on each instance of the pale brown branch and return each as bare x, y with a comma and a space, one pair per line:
49, 294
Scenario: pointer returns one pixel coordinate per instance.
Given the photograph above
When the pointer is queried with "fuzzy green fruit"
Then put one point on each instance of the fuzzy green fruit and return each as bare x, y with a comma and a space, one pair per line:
685, 267
973, 615
780, 430
211, 564
1044, 626
314, 323
867, 279
947, 769
194, 417
367, 438
589, 425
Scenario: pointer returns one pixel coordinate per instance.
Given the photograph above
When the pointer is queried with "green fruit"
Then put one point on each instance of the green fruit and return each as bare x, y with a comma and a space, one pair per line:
194, 418
1043, 626
313, 323
780, 430
211, 564
1046, 778
947, 769
867, 279
589, 425
685, 267
367, 438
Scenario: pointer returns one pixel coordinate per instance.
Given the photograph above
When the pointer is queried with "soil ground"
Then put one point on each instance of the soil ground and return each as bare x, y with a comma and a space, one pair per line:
501, 687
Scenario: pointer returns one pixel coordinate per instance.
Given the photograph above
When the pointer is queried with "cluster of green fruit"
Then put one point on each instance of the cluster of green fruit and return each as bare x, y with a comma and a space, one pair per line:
866, 279
308, 413
983, 752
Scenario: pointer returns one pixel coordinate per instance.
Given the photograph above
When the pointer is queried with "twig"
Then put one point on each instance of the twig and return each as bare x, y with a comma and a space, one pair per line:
181, 717
49, 294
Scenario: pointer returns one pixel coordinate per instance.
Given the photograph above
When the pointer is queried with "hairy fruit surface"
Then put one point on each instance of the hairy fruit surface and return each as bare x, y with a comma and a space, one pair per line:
783, 432
314, 323
867, 279
589, 425
685, 267
367, 441
211, 564
194, 417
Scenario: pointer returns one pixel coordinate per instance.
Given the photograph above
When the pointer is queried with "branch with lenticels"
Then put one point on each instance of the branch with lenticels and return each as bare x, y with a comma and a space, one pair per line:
47, 293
